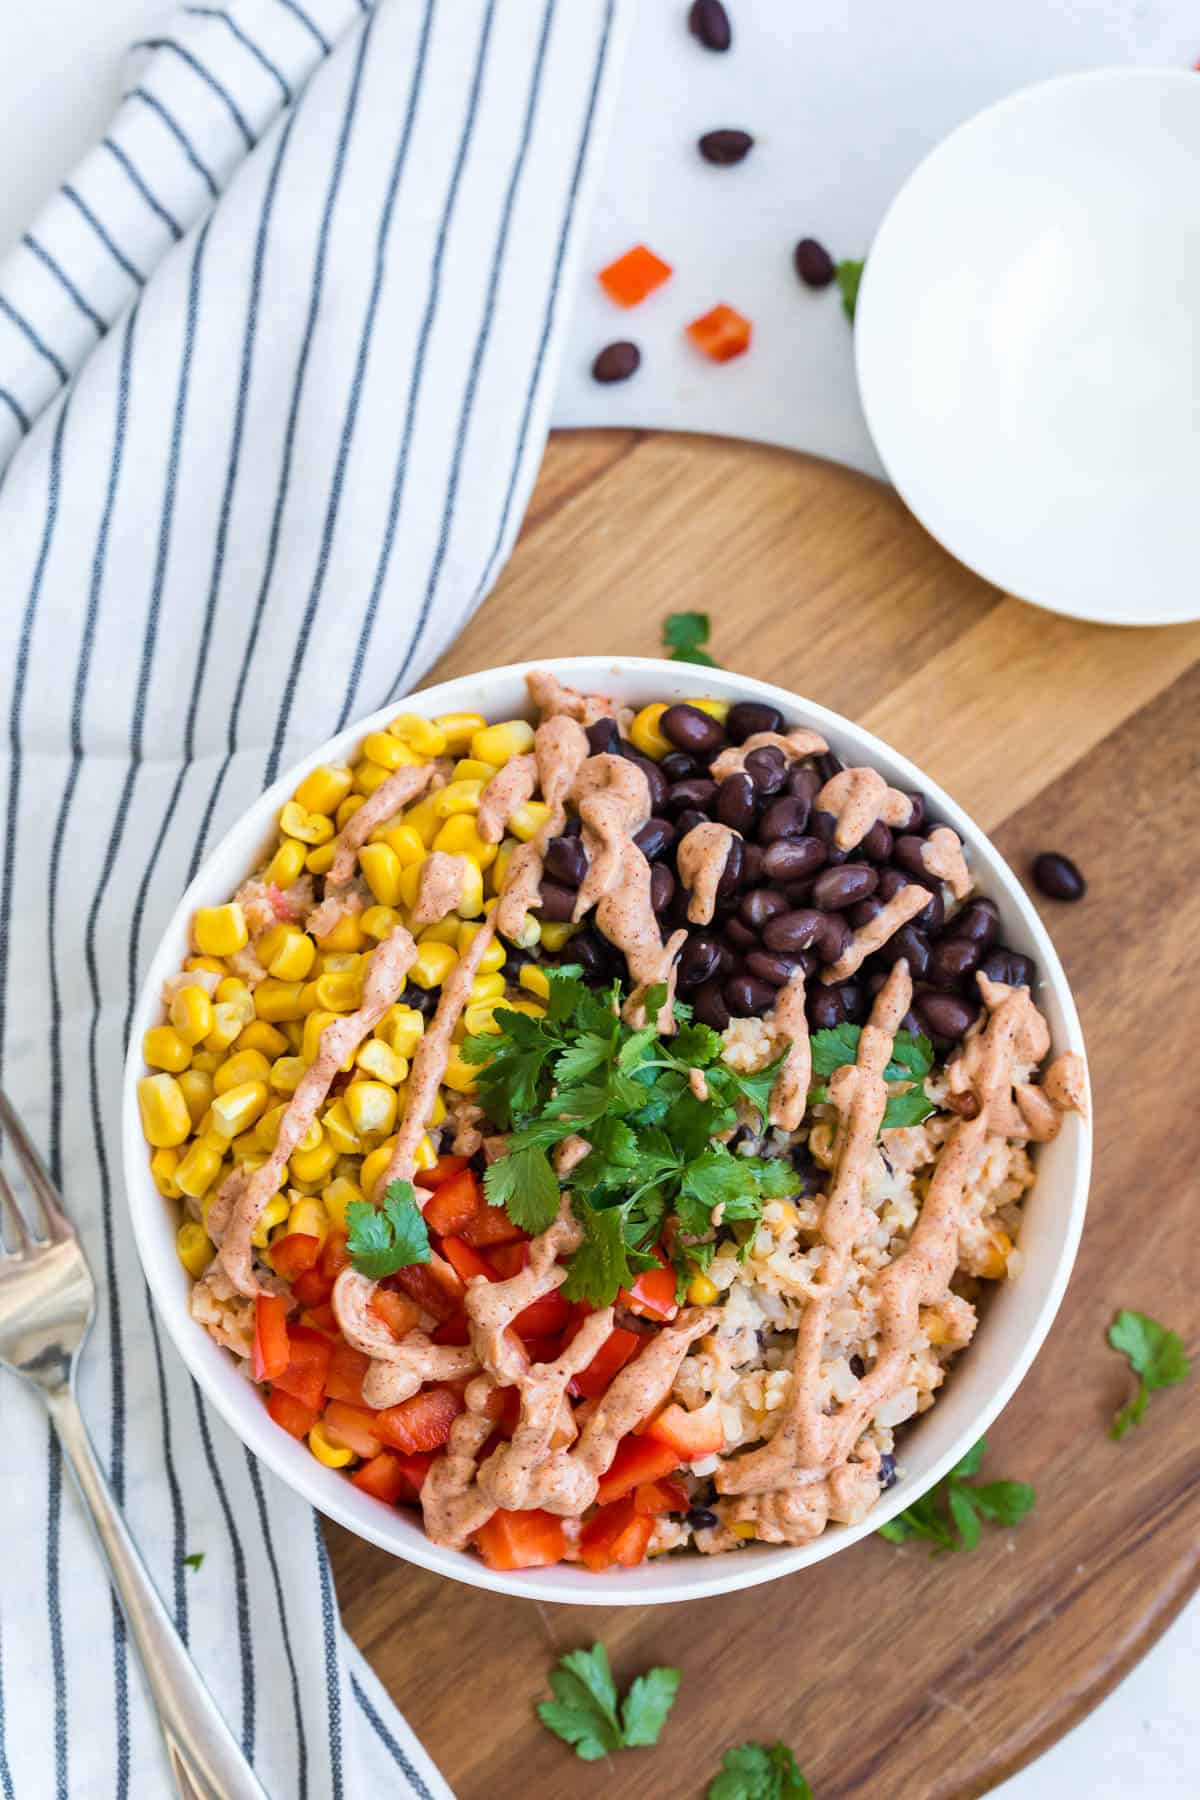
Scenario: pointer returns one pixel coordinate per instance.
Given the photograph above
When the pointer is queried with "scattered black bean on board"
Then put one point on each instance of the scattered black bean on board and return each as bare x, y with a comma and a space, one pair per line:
725, 146
617, 362
814, 265
709, 24
1057, 876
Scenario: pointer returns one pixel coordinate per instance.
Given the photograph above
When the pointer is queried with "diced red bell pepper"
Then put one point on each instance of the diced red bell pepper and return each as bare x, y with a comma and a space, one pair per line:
445, 1168
654, 1497
292, 1414
545, 1317
504, 1406
689, 1434
311, 1288
492, 1225
346, 1370
383, 1477
397, 1311
354, 1426
415, 1469
637, 1460
466, 1262
543, 1349
616, 1534
454, 1203
309, 1356
424, 1283
334, 1256
509, 1259
652, 1294
294, 1254
455, 1330
608, 1361
320, 1318
522, 1540
270, 1336
422, 1423
721, 334
631, 277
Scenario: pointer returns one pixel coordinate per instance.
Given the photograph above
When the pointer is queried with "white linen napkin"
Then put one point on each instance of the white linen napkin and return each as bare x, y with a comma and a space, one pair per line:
296, 451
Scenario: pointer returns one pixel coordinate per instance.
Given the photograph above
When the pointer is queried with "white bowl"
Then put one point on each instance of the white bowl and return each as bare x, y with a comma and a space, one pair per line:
1027, 348
1016, 1321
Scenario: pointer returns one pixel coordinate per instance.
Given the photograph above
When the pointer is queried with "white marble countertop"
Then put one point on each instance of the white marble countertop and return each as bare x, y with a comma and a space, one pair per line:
63, 59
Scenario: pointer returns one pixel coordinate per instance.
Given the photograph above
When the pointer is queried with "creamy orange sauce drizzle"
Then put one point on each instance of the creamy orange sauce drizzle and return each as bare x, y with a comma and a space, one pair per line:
612, 797
398, 1368
942, 855
440, 882
904, 905
858, 799
789, 1094
701, 857
795, 746
506, 792
402, 785
554, 700
560, 748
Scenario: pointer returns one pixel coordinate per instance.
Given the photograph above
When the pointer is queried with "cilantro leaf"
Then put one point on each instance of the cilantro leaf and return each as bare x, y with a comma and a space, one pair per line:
607, 1259
912, 1056
588, 1053
584, 1711
966, 1519
525, 1185
949, 1515
832, 1048
759, 1772
1004, 1502
194, 1560
912, 1107
972, 1462
1155, 1354
849, 277
911, 1061
389, 1237
684, 633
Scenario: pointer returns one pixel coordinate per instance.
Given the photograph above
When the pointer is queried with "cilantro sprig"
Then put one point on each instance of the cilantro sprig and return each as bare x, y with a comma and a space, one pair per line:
684, 634
585, 1711
1157, 1357
911, 1061
950, 1515
385, 1238
759, 1772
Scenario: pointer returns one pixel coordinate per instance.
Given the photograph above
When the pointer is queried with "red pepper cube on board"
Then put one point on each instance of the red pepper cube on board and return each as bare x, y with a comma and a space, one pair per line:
721, 334
633, 276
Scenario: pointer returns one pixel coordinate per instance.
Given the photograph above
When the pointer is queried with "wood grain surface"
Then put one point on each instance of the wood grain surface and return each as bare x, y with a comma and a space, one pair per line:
892, 1675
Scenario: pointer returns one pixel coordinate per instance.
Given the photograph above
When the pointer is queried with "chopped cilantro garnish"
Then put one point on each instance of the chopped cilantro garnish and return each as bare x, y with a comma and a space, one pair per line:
849, 278
911, 1061
949, 1516
385, 1238
1156, 1355
194, 1560
684, 634
759, 1772
585, 1711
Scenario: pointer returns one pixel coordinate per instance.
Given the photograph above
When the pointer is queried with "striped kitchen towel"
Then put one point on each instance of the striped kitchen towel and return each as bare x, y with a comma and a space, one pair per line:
275, 371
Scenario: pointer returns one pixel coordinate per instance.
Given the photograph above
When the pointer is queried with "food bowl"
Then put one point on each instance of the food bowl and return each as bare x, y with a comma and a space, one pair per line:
1013, 1325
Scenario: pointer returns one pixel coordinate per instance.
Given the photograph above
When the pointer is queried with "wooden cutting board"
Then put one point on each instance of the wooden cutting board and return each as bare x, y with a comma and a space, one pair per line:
894, 1677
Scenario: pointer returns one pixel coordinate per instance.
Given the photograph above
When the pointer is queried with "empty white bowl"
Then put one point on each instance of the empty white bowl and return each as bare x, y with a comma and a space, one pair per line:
1016, 1320
1028, 348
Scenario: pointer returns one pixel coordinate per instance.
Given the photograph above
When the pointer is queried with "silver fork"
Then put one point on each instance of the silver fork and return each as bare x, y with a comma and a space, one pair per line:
47, 1303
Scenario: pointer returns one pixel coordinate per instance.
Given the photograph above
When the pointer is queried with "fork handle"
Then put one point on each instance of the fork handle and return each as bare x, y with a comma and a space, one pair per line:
205, 1759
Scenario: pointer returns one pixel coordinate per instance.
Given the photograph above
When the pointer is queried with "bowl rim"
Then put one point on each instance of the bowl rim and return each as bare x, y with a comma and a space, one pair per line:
1023, 99
328, 1490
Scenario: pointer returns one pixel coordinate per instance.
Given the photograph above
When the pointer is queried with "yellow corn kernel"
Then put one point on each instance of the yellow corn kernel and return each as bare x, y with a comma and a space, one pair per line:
406, 844
293, 1031
444, 932
163, 1165
337, 1197
206, 1061
528, 819
379, 922
994, 1264
401, 1028
340, 992
381, 869
219, 930
556, 934
314, 1165
459, 836
309, 827
196, 1086
266, 1131
239, 1107
424, 736
247, 1149
497, 743
368, 776
324, 788
314, 1025
232, 989
347, 809
194, 1248
286, 1073
488, 987
374, 1165
276, 1001
166, 1121
381, 1062
258, 1035
534, 980
425, 1156
422, 819
191, 1014
342, 962
371, 1106
471, 769
530, 1008
471, 904
163, 1048
210, 965
493, 957
820, 1143
331, 1455
387, 751
309, 1216
287, 864
779, 1216
273, 1213
410, 878
529, 934
347, 934
198, 1168
339, 1129
460, 1074
286, 952
320, 860
480, 1018
243, 1065
434, 962
457, 797
702, 1291
716, 709
645, 735
228, 1024
744, 1528
933, 1325
458, 729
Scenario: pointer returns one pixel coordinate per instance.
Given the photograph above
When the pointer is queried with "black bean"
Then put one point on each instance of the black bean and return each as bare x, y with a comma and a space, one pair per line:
709, 24
791, 931
701, 1519
739, 935
952, 962
747, 997
814, 265
887, 1471
566, 861
858, 1367
785, 817
425, 1000
655, 838
877, 845
692, 730
836, 888
725, 146
945, 1016
1058, 877
865, 911
731, 874
806, 784
656, 781
752, 865
699, 959
572, 828
829, 764
1009, 967
616, 362
833, 939
515, 960
676, 765
931, 917
735, 802
824, 826
768, 966
592, 952
812, 1179
794, 859
729, 961
909, 943
603, 737
688, 820
979, 921
767, 770
853, 997
824, 1008
917, 817
906, 852
662, 887
710, 1005
748, 717
695, 795
764, 903
558, 902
